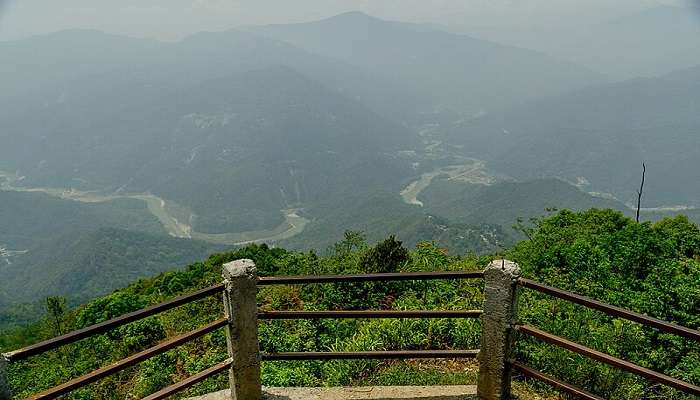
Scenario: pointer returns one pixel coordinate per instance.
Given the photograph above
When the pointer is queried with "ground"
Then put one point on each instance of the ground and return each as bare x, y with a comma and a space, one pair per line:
361, 393
459, 392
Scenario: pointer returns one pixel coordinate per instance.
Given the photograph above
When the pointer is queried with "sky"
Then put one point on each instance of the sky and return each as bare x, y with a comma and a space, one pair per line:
174, 19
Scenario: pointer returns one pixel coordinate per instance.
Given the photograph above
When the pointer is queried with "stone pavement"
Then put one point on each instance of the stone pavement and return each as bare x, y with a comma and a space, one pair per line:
361, 393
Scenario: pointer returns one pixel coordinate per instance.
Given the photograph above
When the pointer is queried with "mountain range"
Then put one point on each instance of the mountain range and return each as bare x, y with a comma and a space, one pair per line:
124, 157
599, 137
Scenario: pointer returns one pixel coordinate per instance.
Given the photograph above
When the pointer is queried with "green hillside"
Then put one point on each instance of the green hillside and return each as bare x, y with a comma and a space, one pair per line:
79, 250
507, 203
382, 214
649, 268
233, 151
600, 136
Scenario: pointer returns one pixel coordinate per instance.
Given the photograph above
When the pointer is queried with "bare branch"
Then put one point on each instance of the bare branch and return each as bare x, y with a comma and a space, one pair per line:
641, 191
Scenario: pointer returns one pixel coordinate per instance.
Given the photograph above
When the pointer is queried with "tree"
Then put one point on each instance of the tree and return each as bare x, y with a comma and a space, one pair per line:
56, 309
353, 240
641, 191
386, 256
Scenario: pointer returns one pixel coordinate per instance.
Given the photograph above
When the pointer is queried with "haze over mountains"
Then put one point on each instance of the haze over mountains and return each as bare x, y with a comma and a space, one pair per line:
291, 134
648, 42
598, 137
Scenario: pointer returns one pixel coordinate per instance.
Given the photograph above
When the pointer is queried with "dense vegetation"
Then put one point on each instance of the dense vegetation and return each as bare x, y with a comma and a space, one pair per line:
649, 267
653, 268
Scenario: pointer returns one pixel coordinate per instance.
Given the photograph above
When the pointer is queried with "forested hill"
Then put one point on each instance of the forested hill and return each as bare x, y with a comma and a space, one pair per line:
599, 136
58, 247
652, 268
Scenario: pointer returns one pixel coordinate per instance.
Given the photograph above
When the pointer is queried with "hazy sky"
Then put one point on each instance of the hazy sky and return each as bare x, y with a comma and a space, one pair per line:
173, 19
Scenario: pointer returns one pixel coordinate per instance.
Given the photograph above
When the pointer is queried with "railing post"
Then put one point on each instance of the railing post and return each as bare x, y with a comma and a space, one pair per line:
498, 333
5, 393
240, 280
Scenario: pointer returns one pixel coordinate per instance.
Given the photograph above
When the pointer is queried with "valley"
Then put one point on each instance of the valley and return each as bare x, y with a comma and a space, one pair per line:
473, 171
293, 223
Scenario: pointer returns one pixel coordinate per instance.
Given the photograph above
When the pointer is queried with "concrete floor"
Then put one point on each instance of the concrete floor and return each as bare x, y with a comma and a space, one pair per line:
361, 393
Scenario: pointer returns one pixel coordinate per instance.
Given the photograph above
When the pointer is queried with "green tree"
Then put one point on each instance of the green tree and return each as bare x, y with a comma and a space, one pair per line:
56, 308
352, 240
387, 256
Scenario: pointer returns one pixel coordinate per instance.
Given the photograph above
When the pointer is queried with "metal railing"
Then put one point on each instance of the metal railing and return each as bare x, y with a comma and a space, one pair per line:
105, 326
379, 277
597, 355
132, 360
171, 343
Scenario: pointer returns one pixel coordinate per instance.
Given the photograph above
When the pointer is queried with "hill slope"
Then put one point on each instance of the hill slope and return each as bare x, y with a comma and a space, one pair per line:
78, 250
507, 203
655, 41
599, 137
232, 151
449, 71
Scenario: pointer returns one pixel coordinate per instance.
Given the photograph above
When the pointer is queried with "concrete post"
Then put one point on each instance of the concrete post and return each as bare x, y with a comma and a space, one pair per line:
240, 280
497, 337
5, 393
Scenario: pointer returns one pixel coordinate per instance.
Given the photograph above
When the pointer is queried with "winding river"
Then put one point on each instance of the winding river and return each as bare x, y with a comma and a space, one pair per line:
293, 223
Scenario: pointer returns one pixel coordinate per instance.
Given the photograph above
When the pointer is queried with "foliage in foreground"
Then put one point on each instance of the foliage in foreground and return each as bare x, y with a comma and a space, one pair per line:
651, 268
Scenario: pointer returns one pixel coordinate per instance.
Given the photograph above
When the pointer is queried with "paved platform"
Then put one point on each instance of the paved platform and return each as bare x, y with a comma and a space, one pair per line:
360, 393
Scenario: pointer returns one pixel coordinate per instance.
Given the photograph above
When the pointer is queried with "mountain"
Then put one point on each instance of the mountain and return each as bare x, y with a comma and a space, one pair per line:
81, 266
507, 203
652, 42
381, 214
641, 43
92, 61
462, 217
51, 246
449, 71
231, 129
232, 151
599, 137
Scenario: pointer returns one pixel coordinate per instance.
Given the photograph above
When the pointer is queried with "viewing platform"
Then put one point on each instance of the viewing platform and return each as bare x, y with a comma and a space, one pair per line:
460, 392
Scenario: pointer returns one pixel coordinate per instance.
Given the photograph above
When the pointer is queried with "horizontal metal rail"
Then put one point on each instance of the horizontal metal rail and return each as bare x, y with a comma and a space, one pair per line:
191, 381
368, 314
105, 326
392, 276
610, 360
128, 362
612, 310
563, 386
370, 355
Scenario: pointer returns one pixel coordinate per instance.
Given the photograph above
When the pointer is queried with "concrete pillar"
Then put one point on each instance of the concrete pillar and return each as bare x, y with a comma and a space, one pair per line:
5, 393
497, 337
240, 279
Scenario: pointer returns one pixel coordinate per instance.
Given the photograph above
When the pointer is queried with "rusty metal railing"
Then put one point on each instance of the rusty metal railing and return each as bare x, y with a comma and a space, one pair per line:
384, 314
132, 360
555, 383
526, 370
370, 355
102, 327
597, 355
105, 326
370, 314
129, 361
191, 381
380, 277
612, 310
